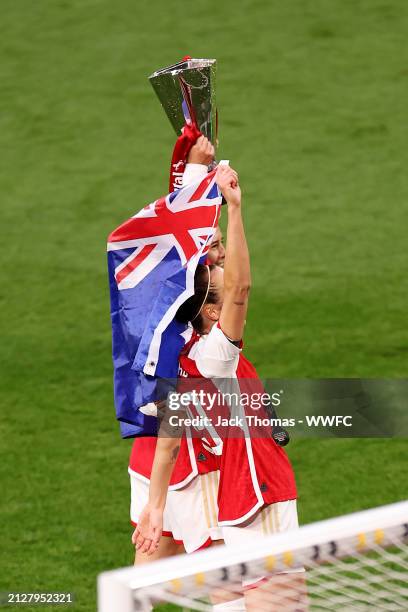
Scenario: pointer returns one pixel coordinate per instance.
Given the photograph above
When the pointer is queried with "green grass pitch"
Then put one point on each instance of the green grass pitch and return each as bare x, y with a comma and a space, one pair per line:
312, 100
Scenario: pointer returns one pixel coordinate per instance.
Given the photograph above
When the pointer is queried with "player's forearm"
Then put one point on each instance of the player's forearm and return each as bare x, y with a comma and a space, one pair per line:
237, 271
164, 460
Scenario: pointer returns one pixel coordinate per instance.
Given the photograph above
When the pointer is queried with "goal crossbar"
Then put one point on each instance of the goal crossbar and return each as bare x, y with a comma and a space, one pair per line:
324, 540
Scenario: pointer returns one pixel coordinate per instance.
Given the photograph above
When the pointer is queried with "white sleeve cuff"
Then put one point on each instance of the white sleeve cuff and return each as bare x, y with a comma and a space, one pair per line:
218, 356
193, 172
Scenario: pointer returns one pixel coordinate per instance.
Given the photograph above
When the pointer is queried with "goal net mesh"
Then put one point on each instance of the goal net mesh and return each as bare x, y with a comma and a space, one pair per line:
355, 562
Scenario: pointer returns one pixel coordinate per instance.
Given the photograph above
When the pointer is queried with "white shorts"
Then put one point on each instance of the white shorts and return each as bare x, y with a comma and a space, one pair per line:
190, 515
274, 518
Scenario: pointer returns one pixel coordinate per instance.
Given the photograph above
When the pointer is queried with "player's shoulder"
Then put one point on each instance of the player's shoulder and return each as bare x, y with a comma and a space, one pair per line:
218, 338
216, 355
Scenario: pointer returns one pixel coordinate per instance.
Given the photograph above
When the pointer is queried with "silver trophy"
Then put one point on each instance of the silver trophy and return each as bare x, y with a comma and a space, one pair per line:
187, 93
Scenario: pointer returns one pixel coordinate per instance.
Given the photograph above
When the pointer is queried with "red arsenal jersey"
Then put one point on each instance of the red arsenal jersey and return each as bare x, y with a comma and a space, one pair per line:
254, 470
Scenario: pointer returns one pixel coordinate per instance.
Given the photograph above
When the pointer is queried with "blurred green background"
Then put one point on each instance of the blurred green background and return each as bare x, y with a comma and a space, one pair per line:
313, 104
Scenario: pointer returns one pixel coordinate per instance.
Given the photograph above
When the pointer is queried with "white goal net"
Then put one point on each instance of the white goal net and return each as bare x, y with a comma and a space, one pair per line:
353, 562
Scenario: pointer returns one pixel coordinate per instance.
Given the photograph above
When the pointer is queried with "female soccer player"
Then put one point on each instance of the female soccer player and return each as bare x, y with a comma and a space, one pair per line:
195, 498
257, 491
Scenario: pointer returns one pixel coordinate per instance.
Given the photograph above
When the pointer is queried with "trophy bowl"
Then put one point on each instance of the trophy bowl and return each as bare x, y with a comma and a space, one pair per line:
186, 91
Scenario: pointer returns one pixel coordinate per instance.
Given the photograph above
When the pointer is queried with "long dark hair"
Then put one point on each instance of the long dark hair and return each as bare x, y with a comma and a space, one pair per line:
190, 310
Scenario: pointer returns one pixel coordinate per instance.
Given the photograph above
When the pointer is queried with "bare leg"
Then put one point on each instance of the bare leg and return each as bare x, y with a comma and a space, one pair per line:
167, 548
283, 593
220, 596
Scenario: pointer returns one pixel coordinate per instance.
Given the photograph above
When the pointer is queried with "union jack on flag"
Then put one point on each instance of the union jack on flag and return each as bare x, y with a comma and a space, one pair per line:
152, 258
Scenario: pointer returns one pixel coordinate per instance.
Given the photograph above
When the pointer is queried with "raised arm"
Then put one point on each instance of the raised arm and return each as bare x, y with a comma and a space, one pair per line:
237, 273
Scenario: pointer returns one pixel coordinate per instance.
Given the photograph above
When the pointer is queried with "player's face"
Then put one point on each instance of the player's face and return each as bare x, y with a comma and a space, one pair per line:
211, 312
216, 252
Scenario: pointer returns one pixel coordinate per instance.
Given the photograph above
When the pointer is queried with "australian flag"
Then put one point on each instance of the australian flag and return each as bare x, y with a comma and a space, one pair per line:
152, 258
